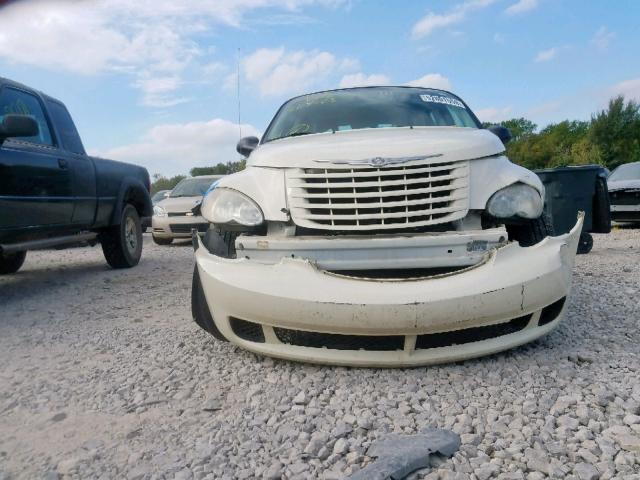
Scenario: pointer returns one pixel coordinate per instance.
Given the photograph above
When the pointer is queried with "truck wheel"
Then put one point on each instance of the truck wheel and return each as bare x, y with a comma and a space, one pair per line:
532, 231
122, 244
585, 244
12, 262
161, 241
200, 309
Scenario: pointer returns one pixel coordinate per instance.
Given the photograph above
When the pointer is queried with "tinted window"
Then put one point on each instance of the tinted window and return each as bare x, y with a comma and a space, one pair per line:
17, 102
64, 124
192, 187
378, 107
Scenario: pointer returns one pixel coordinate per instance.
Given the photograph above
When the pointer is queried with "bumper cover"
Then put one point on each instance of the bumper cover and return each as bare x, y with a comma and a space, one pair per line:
510, 283
178, 226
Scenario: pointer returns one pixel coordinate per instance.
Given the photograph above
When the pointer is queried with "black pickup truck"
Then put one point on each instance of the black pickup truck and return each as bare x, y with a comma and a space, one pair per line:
52, 194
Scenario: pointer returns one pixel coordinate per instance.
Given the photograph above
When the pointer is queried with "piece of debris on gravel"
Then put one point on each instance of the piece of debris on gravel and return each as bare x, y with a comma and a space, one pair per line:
399, 455
103, 374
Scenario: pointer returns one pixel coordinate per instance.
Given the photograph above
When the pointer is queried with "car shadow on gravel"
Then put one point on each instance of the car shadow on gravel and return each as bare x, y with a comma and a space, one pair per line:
34, 282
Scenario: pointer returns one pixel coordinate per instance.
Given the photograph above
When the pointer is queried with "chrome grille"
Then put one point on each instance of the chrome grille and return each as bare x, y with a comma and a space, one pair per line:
350, 197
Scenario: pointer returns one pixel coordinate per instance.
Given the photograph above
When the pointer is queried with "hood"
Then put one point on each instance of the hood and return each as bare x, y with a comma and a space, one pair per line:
444, 143
623, 185
179, 204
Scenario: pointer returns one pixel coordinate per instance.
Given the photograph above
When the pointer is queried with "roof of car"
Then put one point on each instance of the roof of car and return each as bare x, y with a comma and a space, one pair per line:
21, 86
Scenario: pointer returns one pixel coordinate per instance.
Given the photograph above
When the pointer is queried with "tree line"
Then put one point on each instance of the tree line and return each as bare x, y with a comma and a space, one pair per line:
610, 138
161, 182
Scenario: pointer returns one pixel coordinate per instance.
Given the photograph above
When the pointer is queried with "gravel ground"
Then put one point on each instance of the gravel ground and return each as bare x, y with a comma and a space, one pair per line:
103, 374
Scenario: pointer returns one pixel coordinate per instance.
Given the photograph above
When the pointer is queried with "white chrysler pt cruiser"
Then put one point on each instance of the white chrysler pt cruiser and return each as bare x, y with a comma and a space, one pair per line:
379, 226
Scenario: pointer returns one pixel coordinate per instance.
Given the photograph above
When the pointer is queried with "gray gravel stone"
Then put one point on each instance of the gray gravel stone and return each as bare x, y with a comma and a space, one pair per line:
586, 471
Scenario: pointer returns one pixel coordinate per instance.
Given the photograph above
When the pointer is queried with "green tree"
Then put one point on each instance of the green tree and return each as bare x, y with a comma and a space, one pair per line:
161, 182
219, 169
616, 132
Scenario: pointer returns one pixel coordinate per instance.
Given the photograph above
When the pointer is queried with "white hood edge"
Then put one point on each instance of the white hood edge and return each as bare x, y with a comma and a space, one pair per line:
446, 144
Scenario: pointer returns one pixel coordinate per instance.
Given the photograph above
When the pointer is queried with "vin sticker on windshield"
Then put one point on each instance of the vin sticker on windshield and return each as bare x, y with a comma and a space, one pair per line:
441, 99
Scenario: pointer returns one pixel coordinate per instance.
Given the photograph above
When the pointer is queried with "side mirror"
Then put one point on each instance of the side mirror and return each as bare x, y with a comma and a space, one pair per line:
501, 132
246, 145
18, 126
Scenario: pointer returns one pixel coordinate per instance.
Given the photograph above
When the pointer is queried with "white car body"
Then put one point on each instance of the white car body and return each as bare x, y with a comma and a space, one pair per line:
302, 294
178, 219
624, 196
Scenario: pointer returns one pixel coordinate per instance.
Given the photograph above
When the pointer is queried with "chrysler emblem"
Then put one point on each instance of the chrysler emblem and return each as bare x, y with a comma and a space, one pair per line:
377, 161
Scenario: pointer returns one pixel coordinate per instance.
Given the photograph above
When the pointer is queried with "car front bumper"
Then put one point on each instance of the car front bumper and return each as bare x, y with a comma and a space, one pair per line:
294, 310
178, 226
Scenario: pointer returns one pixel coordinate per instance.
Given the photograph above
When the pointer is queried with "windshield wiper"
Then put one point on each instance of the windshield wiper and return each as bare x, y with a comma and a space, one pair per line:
295, 134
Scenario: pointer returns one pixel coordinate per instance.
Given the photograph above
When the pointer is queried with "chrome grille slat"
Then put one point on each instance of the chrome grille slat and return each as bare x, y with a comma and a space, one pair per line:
378, 183
380, 204
369, 216
351, 197
388, 193
367, 172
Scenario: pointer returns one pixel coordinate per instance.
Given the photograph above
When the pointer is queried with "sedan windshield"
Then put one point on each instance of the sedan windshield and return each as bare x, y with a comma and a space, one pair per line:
369, 107
192, 187
629, 171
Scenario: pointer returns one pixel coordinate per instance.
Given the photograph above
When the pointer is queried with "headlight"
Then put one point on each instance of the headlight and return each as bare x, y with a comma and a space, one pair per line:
517, 200
223, 205
159, 211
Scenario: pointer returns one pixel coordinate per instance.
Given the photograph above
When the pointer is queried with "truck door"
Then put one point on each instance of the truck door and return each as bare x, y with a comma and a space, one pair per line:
82, 168
35, 183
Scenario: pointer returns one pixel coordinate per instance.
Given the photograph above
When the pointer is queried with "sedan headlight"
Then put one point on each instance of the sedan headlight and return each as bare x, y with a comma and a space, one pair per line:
159, 211
226, 206
517, 200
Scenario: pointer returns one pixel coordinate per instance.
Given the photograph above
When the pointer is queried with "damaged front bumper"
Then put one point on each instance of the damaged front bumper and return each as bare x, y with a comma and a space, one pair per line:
294, 310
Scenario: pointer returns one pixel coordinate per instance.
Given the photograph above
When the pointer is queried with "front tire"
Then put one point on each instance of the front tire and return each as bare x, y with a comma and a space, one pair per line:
200, 309
161, 241
12, 262
122, 244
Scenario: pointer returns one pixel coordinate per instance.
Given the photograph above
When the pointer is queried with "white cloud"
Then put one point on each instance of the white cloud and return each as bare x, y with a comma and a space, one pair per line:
629, 88
433, 21
546, 55
493, 114
498, 38
277, 71
362, 80
431, 80
150, 40
172, 149
521, 6
602, 39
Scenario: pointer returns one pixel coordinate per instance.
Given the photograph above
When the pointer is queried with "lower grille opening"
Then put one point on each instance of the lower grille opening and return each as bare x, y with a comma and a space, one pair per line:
253, 332
249, 331
469, 335
187, 227
551, 312
333, 341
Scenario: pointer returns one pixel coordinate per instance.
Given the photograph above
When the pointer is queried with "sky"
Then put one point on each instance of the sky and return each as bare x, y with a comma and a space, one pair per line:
155, 82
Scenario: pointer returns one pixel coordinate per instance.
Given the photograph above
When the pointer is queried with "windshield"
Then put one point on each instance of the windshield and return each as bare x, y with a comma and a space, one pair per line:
372, 107
159, 195
192, 187
629, 171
